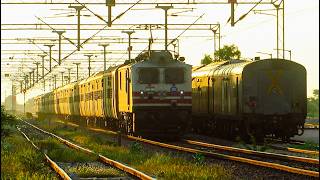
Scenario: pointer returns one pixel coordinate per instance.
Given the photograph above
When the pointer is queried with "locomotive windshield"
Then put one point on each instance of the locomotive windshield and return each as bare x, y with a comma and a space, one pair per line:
148, 75
174, 75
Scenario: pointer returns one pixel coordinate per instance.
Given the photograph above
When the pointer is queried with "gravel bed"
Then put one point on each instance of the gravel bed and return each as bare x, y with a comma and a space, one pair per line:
219, 141
93, 170
302, 165
237, 169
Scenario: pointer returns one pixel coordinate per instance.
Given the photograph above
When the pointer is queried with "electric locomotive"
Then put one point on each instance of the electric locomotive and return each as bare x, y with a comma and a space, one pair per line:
150, 96
250, 98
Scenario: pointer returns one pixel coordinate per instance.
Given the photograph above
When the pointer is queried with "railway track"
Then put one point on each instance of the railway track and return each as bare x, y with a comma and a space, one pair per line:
295, 150
254, 153
207, 153
53, 164
291, 141
128, 170
297, 161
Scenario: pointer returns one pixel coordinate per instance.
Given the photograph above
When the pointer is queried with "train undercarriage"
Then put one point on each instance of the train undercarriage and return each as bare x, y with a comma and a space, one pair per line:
149, 123
250, 127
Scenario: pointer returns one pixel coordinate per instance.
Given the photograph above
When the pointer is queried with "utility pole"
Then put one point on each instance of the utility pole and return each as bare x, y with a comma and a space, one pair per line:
14, 98
27, 82
33, 77
50, 58
277, 6
42, 56
55, 81
37, 64
277, 9
165, 8
62, 78
110, 3
287, 51
30, 79
78, 9
232, 11
77, 64
69, 69
24, 101
216, 32
89, 60
60, 34
49, 82
104, 56
44, 83
130, 47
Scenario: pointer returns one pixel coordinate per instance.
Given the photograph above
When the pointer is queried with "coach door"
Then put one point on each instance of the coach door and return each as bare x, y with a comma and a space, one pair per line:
128, 87
211, 95
225, 96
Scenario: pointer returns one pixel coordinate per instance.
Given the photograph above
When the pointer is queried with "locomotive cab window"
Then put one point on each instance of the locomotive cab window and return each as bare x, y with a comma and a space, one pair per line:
174, 75
148, 75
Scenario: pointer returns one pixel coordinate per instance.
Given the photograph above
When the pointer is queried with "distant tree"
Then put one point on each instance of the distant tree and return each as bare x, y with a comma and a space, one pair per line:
227, 53
316, 93
313, 104
206, 60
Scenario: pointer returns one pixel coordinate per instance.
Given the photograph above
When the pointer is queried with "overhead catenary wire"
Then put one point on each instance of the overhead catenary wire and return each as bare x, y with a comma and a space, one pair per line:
121, 14
97, 15
186, 29
55, 30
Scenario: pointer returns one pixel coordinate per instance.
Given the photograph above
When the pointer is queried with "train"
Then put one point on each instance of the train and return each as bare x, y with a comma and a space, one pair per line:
149, 96
249, 99
157, 95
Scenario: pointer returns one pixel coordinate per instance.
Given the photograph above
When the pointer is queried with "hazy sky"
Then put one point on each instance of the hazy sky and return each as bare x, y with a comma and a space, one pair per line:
254, 33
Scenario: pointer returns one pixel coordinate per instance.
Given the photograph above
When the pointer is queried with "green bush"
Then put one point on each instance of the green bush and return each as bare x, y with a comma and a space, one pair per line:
199, 158
7, 123
136, 147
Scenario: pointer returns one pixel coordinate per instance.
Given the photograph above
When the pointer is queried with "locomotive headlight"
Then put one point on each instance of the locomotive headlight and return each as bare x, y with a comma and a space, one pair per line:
141, 93
182, 94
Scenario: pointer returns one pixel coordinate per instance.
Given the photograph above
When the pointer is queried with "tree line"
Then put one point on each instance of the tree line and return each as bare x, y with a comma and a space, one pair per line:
313, 105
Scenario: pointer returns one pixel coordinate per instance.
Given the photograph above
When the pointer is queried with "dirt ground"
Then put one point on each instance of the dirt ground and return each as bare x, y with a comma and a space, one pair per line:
309, 135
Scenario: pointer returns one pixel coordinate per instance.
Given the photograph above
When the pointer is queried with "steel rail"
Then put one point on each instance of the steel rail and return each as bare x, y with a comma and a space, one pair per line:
53, 165
303, 151
102, 158
220, 156
251, 152
215, 155
234, 158
295, 150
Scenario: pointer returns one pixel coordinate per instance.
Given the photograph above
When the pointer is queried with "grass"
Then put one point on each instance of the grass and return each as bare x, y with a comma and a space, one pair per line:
162, 165
19, 159
61, 153
308, 145
90, 170
253, 146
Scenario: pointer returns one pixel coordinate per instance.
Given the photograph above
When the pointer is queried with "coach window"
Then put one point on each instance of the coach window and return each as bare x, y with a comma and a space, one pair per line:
174, 75
148, 75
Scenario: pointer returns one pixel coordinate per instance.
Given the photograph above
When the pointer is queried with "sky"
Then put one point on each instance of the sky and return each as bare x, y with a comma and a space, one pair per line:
255, 33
